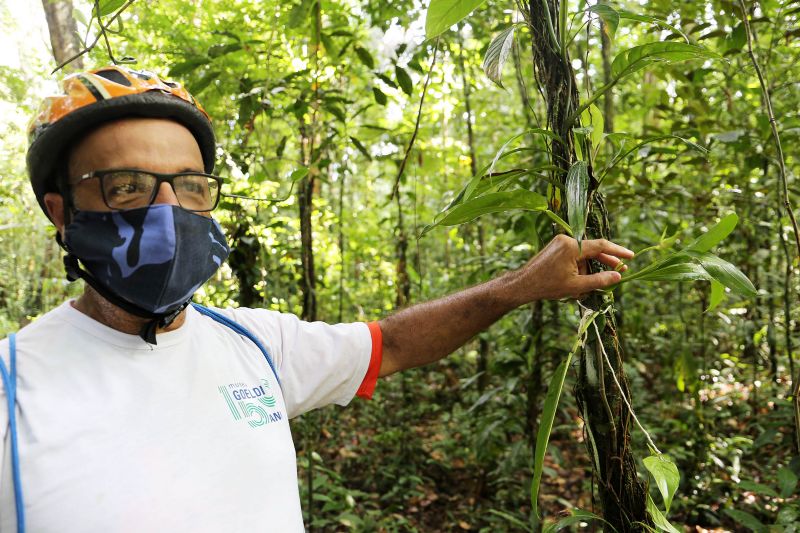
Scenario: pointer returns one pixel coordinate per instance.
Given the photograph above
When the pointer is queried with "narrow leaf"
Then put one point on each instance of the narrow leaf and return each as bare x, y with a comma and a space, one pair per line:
379, 95
532, 131
576, 516
629, 15
549, 411
577, 194
658, 517
725, 273
639, 57
666, 476
598, 125
758, 488
387, 80
444, 13
365, 57
545, 427
787, 481
189, 65
404, 79
361, 148
494, 203
678, 272
497, 54
716, 234
717, 295
747, 520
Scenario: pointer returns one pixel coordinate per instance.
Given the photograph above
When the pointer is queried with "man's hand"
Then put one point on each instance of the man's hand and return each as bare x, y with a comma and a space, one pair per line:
559, 270
429, 331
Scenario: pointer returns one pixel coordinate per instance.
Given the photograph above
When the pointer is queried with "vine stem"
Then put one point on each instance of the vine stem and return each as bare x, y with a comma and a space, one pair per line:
396, 186
773, 124
97, 38
622, 393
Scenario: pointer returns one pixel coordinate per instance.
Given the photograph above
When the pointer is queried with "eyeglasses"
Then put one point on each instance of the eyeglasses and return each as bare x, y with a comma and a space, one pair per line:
132, 188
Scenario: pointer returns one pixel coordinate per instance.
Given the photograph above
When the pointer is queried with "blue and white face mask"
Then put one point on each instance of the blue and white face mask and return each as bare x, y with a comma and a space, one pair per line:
154, 257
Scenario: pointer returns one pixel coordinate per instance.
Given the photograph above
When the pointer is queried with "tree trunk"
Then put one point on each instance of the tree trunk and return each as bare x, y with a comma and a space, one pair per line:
622, 496
63, 32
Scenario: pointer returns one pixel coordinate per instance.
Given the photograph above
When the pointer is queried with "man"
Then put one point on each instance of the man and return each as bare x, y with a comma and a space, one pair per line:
131, 410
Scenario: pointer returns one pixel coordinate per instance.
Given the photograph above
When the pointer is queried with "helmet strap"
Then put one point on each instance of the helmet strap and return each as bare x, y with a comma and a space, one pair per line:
74, 272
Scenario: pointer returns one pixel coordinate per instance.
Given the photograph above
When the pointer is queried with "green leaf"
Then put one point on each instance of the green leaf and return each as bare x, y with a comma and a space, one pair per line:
510, 518
379, 95
218, 50
716, 234
610, 18
494, 203
717, 295
629, 15
444, 13
658, 517
188, 66
361, 148
549, 411
533, 131
737, 38
747, 520
330, 47
109, 6
77, 14
639, 57
299, 13
678, 272
404, 79
787, 481
365, 57
497, 54
598, 125
545, 427
577, 195
298, 174
576, 516
758, 488
725, 273
666, 476
387, 80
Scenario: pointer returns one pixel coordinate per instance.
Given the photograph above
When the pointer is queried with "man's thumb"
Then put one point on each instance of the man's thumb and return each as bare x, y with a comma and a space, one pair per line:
601, 280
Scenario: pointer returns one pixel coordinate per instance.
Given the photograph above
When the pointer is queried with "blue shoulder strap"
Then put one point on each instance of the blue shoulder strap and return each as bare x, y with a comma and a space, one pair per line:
241, 330
10, 386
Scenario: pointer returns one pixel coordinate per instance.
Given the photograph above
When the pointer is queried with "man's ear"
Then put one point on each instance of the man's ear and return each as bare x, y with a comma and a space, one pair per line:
54, 203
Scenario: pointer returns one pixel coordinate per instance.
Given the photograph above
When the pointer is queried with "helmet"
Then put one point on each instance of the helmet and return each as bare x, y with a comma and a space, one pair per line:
97, 96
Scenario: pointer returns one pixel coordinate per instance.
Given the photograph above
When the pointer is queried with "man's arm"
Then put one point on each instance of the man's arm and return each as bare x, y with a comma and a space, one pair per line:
429, 331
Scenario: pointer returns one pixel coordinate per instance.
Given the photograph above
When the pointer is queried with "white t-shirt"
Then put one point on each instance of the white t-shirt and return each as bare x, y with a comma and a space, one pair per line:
190, 435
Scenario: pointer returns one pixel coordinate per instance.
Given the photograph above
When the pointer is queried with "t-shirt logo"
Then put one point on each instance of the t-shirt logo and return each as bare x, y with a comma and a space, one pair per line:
253, 403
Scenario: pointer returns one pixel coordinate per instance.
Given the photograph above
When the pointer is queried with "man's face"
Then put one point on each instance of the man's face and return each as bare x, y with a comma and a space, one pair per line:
157, 145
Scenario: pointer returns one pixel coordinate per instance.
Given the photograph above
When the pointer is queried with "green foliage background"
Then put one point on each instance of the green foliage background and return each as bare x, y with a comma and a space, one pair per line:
444, 448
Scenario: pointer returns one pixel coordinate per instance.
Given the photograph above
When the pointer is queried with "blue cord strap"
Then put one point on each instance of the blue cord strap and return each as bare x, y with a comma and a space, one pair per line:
10, 386
241, 330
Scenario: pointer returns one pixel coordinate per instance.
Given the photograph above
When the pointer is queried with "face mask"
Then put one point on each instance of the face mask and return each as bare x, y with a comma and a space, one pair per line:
154, 257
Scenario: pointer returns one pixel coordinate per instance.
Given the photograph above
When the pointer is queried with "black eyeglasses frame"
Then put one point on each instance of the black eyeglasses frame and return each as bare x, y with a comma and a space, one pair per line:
160, 178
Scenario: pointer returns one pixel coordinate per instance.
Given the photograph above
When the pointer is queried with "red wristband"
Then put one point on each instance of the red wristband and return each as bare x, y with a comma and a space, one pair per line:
371, 378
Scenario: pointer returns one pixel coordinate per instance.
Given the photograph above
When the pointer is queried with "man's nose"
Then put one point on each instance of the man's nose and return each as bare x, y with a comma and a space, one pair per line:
166, 195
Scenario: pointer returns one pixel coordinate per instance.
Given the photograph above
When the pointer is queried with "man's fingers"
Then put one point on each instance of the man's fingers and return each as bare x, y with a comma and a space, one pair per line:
601, 280
593, 248
611, 261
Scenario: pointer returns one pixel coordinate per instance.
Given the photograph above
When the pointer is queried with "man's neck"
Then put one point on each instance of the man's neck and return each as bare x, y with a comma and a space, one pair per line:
93, 305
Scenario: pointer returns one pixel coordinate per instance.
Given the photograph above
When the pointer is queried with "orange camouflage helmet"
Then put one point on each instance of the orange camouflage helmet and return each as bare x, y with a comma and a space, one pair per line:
97, 96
